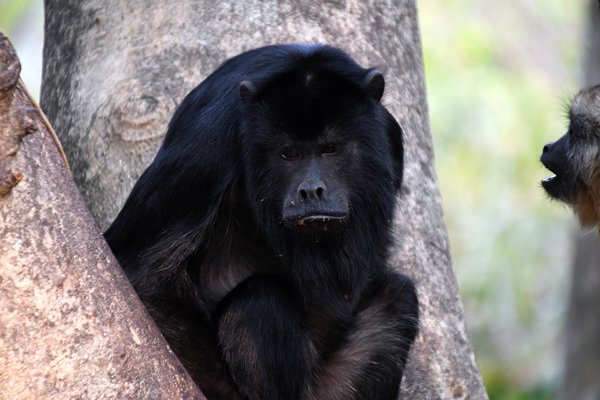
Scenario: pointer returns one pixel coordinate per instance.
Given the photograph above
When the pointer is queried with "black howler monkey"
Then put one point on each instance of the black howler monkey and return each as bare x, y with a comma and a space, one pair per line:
575, 159
258, 237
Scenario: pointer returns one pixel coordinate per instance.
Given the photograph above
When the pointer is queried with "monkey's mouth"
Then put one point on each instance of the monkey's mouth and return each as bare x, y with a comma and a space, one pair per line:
554, 184
315, 220
549, 180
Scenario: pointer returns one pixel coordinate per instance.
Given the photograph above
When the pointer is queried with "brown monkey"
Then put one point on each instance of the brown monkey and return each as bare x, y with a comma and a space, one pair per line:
575, 159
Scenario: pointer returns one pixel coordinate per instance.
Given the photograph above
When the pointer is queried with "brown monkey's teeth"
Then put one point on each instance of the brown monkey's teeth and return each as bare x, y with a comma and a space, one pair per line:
550, 178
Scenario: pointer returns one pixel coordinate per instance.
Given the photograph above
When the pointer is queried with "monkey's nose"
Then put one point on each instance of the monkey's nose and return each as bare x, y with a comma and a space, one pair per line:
311, 190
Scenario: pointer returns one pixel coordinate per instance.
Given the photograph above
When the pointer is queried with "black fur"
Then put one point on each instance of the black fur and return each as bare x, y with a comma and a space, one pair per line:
258, 237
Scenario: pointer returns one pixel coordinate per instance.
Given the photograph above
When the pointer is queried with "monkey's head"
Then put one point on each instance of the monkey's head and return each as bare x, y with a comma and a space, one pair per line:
321, 152
575, 159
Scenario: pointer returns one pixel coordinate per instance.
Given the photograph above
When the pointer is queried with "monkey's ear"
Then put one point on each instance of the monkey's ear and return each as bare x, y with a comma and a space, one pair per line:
374, 84
246, 90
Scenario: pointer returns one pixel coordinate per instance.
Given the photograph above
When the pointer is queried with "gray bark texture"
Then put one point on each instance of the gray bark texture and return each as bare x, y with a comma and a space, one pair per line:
582, 328
71, 327
114, 71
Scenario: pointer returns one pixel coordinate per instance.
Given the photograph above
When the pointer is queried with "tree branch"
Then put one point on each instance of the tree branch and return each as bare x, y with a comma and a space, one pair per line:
70, 324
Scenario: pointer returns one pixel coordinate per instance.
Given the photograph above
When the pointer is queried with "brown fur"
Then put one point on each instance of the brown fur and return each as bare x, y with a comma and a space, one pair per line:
587, 207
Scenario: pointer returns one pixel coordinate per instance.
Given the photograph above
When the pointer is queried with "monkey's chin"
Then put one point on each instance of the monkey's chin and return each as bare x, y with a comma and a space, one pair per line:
561, 188
548, 183
553, 185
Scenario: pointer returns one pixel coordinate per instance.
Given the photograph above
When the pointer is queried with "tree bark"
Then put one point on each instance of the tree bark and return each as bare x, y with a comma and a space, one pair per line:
71, 326
114, 71
582, 328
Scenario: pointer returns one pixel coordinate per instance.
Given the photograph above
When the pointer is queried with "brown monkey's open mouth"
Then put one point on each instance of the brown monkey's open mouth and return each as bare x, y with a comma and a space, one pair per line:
553, 185
549, 180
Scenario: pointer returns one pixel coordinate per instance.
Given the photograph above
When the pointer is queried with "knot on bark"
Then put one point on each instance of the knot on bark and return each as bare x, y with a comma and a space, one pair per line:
8, 179
136, 114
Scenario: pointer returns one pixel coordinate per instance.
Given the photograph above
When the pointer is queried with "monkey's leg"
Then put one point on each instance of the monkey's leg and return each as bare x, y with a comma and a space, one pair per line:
370, 362
260, 327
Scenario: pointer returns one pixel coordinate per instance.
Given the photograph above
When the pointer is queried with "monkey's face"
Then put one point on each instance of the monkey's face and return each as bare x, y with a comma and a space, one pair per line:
317, 156
575, 159
564, 184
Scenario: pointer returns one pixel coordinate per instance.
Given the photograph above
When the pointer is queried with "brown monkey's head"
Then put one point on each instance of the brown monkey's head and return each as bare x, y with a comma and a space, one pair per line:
575, 159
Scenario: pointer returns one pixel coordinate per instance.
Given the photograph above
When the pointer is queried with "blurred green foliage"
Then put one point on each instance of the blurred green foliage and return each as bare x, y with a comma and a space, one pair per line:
22, 21
11, 13
498, 77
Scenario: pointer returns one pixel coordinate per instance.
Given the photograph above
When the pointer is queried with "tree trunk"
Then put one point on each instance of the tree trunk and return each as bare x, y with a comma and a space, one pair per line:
114, 71
582, 328
70, 324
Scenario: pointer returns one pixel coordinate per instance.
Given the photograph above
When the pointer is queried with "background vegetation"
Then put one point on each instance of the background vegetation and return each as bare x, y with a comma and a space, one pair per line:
498, 77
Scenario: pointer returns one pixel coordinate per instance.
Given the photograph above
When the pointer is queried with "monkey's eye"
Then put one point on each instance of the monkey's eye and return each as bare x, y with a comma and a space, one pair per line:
329, 149
290, 154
